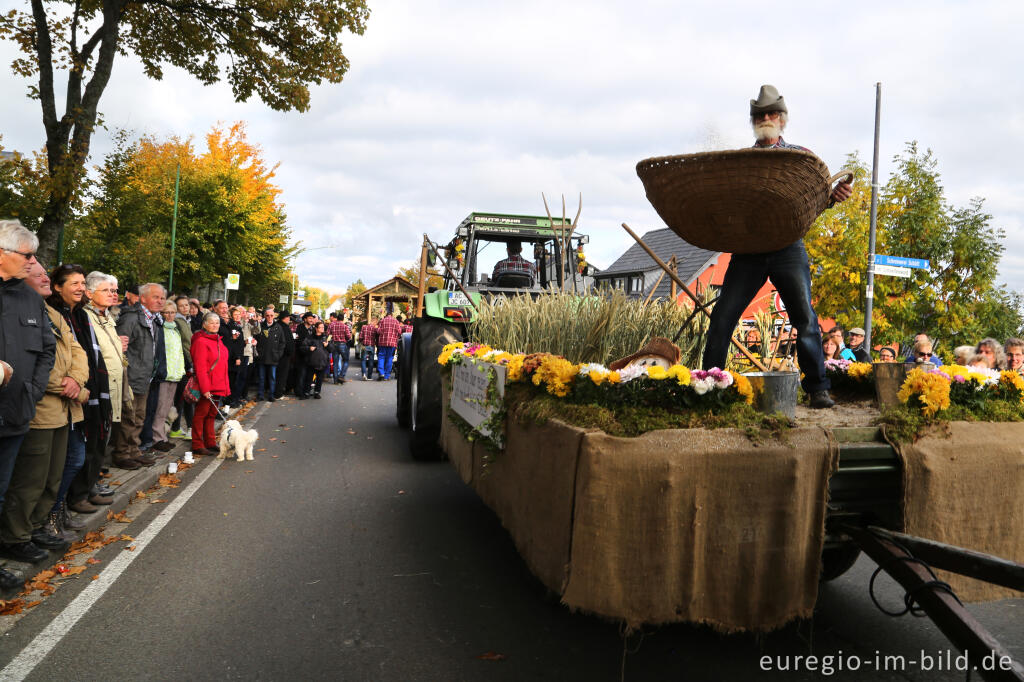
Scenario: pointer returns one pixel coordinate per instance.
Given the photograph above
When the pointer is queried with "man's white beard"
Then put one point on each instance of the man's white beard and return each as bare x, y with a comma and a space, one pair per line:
767, 130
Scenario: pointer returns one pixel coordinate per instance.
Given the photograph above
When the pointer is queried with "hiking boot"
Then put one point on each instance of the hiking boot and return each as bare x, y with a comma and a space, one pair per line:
101, 500
129, 464
164, 446
9, 581
145, 460
68, 521
23, 551
48, 536
316, 396
821, 400
83, 507
102, 489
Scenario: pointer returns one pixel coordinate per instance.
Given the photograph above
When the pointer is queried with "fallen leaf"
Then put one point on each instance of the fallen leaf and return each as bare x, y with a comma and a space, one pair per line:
75, 570
249, 471
401, 492
115, 483
273, 439
120, 517
93, 560
126, 537
232, 486
139, 495
12, 607
105, 475
95, 577
261, 449
350, 432
169, 480
284, 441
32, 604
130, 548
274, 456
157, 501
492, 656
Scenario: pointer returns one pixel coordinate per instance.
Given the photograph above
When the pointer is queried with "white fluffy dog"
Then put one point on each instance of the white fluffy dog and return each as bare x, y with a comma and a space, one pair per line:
234, 437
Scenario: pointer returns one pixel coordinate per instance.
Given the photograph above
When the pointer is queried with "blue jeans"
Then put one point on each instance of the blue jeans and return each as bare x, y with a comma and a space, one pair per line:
9, 446
385, 356
264, 371
339, 361
73, 464
788, 270
368, 362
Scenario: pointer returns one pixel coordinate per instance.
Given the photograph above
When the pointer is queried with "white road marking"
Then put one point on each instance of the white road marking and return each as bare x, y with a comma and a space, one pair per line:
33, 654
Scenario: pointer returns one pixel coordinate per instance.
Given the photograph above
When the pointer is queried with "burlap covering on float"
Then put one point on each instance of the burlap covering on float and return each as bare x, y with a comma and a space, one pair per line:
673, 526
966, 488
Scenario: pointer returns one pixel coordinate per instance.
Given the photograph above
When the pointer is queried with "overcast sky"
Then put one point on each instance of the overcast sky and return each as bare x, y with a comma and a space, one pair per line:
452, 107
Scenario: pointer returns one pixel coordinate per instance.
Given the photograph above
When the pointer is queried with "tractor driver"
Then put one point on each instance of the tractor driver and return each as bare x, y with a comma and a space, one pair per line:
515, 264
787, 268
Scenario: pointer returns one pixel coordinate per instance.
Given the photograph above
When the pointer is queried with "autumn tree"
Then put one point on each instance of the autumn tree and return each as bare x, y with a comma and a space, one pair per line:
270, 48
955, 299
229, 215
412, 273
23, 187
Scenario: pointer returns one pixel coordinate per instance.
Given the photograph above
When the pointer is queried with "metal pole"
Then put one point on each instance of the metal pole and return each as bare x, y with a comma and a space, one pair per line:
870, 290
174, 229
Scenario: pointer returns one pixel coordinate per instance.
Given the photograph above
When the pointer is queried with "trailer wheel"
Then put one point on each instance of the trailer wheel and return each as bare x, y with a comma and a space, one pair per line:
836, 561
430, 338
402, 384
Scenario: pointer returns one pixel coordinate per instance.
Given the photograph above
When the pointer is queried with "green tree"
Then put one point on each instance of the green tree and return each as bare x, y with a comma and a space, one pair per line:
955, 299
270, 48
353, 290
412, 274
23, 184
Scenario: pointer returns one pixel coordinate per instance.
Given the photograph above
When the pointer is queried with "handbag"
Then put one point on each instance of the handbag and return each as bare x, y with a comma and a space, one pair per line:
191, 393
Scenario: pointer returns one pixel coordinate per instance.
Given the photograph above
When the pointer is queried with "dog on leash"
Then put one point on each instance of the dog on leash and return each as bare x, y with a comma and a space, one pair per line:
234, 437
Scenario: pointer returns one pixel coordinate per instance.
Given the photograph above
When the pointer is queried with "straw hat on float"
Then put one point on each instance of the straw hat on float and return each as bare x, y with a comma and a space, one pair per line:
740, 201
658, 348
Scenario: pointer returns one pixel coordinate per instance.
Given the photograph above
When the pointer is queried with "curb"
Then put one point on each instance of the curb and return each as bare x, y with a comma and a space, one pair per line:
134, 481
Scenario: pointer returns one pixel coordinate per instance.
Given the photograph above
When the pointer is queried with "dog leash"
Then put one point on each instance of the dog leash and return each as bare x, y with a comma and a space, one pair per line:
217, 407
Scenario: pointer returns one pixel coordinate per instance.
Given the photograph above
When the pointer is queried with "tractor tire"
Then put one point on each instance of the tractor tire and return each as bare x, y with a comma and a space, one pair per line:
403, 410
836, 561
430, 336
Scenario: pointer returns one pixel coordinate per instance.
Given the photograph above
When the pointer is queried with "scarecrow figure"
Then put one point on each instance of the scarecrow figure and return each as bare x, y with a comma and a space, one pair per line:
658, 351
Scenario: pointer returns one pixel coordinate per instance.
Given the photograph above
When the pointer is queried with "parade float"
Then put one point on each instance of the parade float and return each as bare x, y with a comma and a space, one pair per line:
641, 489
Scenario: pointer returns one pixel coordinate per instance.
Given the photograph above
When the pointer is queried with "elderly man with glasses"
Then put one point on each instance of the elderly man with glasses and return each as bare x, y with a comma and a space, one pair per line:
27, 352
787, 268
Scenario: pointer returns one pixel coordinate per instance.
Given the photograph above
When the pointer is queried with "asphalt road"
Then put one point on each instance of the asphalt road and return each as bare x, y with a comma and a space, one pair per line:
343, 559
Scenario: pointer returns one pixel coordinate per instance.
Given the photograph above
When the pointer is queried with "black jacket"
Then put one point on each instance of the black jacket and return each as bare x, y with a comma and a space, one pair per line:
317, 357
234, 342
270, 343
27, 344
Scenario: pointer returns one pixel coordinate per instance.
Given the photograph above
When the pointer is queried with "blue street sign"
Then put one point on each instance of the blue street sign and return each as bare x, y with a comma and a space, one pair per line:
900, 261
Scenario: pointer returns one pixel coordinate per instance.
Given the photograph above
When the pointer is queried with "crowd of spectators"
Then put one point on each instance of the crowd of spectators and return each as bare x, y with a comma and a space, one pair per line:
90, 380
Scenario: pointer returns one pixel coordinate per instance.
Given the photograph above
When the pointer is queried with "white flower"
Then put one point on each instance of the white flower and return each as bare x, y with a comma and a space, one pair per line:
589, 367
702, 386
630, 372
725, 381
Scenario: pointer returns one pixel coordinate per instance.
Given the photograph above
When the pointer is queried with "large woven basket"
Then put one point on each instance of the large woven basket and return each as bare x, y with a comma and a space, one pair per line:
738, 201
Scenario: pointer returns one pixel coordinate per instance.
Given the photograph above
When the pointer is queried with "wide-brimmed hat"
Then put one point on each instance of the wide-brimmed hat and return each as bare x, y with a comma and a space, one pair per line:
657, 346
768, 100
857, 330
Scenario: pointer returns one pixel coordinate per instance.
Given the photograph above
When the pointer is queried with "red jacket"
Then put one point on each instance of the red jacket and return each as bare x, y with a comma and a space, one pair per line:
211, 373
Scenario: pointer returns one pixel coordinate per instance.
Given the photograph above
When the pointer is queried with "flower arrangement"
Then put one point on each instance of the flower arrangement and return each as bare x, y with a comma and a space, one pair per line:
855, 377
581, 260
594, 383
974, 390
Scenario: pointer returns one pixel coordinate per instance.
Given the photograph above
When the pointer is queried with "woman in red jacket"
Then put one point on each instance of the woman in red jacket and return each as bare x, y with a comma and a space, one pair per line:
210, 361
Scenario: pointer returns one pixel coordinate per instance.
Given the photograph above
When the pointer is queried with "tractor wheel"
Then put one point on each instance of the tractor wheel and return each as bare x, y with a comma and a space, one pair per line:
836, 561
402, 383
430, 338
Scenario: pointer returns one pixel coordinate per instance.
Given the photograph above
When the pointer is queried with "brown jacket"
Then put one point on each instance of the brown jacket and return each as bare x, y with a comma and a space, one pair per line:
54, 410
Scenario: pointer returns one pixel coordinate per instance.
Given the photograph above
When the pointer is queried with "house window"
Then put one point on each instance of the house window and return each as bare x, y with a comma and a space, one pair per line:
636, 284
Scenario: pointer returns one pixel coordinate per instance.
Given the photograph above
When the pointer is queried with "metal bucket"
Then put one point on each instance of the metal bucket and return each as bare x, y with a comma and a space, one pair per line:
889, 377
775, 391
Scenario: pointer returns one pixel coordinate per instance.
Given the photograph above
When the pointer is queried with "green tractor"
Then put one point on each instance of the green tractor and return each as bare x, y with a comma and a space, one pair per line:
443, 315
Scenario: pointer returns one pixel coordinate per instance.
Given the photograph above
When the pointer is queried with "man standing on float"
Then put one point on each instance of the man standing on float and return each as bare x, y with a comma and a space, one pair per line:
787, 268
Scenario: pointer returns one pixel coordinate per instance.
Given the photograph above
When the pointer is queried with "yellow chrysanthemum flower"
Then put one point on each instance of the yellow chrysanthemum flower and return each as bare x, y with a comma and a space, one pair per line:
514, 369
743, 387
680, 373
657, 372
597, 377
614, 378
859, 370
932, 391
